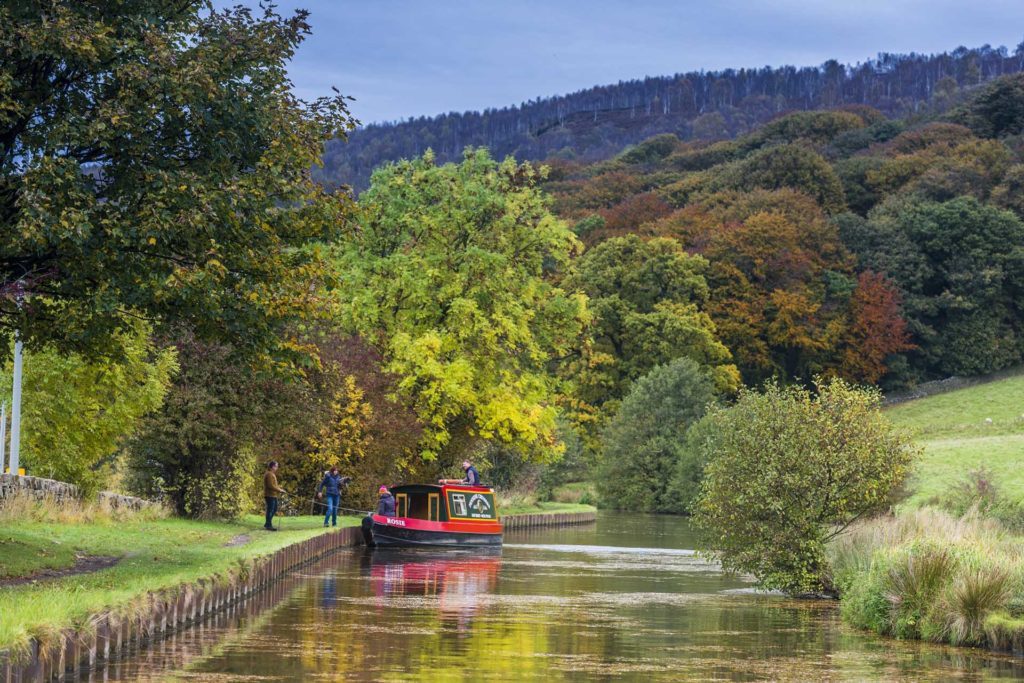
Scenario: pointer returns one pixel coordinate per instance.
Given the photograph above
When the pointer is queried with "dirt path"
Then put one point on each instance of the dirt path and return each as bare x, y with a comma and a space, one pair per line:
84, 564
240, 539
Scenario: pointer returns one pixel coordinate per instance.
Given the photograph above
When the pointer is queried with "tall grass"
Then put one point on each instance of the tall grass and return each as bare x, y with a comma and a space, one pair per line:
25, 507
931, 575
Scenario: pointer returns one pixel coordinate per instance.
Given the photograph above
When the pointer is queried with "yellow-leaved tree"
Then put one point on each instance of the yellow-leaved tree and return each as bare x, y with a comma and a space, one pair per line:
448, 274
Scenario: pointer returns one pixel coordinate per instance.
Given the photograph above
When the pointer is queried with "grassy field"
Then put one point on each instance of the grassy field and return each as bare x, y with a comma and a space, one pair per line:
964, 430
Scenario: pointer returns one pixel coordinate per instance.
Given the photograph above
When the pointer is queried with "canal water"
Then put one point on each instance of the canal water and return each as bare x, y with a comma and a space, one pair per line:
622, 599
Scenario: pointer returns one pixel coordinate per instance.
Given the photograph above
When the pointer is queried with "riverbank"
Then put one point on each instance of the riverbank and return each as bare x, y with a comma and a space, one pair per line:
60, 566
949, 566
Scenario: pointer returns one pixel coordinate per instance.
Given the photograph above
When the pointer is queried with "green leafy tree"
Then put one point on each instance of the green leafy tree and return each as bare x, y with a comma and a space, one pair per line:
642, 446
648, 300
787, 471
154, 162
76, 413
960, 268
446, 275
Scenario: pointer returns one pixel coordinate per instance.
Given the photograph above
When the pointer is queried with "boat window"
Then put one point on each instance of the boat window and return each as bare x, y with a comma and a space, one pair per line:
433, 506
401, 504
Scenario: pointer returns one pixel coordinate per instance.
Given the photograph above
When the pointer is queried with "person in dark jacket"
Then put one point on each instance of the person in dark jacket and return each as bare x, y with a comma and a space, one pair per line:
331, 486
271, 489
386, 503
472, 476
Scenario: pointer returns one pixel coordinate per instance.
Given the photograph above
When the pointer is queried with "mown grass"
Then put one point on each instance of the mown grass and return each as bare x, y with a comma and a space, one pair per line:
543, 506
155, 553
958, 441
964, 412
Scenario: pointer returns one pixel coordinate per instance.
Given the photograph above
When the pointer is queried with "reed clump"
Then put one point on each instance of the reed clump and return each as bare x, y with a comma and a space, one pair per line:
931, 575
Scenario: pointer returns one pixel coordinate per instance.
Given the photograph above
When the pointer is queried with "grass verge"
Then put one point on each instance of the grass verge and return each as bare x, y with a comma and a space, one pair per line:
154, 553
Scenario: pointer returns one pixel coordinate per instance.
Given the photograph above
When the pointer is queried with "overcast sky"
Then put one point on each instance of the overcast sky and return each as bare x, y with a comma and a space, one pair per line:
402, 58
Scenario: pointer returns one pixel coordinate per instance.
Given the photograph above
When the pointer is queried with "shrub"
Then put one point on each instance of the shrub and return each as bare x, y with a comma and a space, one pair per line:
788, 471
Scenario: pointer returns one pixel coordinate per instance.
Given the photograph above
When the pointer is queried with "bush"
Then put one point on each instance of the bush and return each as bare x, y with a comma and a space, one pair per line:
932, 576
788, 471
645, 441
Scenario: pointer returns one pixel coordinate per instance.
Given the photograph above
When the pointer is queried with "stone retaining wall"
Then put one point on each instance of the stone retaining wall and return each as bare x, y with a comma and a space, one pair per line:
59, 491
117, 634
37, 487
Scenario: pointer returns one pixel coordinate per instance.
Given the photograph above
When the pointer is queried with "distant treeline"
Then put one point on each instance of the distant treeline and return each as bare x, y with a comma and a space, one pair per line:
598, 122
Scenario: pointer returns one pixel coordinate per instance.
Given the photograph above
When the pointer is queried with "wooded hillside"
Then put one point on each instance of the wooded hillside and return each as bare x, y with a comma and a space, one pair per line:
596, 123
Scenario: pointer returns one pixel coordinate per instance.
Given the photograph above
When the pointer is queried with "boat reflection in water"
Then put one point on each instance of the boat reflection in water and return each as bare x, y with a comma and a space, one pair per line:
459, 581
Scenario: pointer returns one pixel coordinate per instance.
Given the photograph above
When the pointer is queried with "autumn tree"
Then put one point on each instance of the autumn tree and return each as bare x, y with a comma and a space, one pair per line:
959, 266
778, 277
447, 276
154, 162
648, 300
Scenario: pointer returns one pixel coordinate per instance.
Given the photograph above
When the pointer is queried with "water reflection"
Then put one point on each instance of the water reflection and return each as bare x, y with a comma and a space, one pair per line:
624, 599
457, 580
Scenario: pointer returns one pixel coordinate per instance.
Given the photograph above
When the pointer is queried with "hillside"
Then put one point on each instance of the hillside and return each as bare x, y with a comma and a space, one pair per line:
596, 123
958, 439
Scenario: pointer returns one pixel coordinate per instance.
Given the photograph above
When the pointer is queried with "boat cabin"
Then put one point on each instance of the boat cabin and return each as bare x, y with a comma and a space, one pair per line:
445, 502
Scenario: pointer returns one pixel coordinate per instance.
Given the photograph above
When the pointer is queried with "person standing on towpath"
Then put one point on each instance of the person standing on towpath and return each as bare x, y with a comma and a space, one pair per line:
331, 485
271, 489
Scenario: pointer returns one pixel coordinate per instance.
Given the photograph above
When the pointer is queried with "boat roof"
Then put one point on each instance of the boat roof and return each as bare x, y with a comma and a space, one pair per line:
426, 488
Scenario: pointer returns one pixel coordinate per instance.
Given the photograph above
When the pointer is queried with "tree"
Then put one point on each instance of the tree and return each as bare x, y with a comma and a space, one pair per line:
154, 163
784, 166
877, 329
446, 276
77, 413
779, 278
648, 300
787, 471
221, 419
642, 446
959, 266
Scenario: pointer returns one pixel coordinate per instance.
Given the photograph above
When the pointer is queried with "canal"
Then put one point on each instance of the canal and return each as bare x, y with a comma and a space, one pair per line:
622, 599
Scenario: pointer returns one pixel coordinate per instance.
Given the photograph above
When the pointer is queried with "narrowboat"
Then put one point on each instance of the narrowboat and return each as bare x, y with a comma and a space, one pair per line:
443, 514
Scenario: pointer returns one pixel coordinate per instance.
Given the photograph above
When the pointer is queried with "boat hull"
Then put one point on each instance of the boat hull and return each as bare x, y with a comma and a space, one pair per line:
399, 532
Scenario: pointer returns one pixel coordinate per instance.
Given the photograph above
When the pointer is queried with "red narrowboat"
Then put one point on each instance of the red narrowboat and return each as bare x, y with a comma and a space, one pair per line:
444, 514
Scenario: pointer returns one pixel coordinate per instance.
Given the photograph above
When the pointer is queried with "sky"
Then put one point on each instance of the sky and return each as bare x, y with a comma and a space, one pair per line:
406, 58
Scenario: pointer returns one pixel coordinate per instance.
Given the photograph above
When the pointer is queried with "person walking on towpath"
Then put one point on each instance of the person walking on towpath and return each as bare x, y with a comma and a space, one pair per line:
472, 476
386, 503
331, 485
271, 489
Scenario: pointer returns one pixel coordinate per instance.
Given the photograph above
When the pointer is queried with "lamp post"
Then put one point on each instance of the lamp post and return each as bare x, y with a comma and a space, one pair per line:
3, 434
16, 408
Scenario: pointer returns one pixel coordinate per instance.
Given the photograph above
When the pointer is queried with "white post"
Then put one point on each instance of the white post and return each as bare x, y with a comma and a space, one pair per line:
16, 409
3, 433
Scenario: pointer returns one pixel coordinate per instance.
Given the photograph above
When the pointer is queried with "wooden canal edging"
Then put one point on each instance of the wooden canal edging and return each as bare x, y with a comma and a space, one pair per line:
117, 633
540, 519
114, 633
